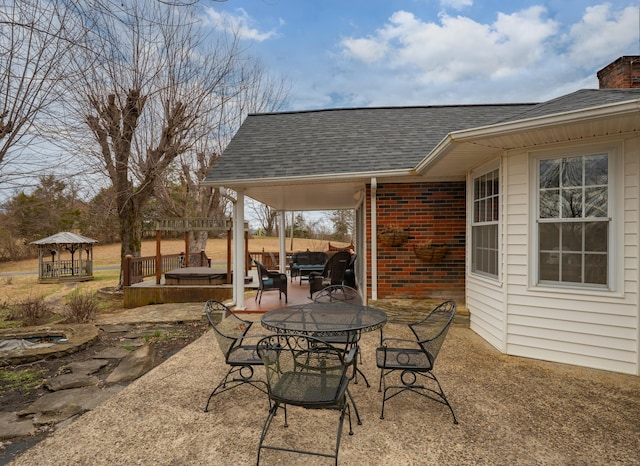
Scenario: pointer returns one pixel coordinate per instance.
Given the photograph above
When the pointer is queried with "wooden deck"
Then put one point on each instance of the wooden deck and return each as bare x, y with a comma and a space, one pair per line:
297, 294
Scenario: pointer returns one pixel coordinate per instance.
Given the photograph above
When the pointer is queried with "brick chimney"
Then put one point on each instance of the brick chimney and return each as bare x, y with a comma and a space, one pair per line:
624, 73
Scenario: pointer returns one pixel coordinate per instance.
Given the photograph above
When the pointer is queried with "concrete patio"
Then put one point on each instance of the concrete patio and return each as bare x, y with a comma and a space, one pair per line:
511, 411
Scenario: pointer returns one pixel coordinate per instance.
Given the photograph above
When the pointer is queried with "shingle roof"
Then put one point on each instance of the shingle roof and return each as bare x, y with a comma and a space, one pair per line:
366, 140
291, 144
579, 100
65, 237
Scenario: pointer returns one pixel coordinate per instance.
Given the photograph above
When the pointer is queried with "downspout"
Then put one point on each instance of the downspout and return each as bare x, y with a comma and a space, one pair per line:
374, 240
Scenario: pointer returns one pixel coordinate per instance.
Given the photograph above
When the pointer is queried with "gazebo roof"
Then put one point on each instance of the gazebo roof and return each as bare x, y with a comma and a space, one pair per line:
65, 237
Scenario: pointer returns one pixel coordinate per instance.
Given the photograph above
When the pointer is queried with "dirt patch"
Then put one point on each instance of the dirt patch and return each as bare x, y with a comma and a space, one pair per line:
21, 385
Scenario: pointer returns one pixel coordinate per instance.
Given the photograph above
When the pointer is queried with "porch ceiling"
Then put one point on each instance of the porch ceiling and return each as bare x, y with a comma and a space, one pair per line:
310, 195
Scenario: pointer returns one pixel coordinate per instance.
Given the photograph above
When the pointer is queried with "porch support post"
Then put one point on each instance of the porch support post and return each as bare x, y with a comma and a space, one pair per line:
282, 235
239, 252
374, 240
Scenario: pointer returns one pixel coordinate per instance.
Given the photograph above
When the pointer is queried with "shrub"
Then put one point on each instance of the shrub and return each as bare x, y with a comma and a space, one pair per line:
32, 311
82, 307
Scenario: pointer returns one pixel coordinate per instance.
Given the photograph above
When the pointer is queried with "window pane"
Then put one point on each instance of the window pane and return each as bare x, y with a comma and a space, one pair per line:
549, 237
572, 268
596, 170
572, 237
572, 203
596, 237
572, 172
549, 266
595, 200
549, 173
549, 205
595, 269
485, 251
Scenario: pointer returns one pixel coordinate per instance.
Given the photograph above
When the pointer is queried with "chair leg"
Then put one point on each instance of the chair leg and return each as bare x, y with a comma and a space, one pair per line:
265, 428
345, 411
229, 381
422, 390
355, 408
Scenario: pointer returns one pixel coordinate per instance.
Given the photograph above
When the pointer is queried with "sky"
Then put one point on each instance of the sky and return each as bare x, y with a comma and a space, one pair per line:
373, 53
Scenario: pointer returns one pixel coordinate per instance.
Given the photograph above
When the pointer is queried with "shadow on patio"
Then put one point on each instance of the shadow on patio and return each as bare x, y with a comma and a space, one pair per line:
511, 411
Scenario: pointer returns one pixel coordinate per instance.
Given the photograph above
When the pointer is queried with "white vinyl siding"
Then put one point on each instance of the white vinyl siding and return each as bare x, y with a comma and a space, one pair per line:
586, 326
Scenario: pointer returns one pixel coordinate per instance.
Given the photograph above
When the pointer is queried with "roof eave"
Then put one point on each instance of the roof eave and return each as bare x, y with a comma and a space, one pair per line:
325, 178
473, 134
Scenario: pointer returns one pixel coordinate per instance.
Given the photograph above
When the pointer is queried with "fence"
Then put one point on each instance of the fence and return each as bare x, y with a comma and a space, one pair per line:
137, 269
66, 269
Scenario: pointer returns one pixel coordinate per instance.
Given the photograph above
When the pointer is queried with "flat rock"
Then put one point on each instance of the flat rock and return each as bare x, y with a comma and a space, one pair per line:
68, 381
115, 328
90, 366
134, 365
13, 426
112, 353
70, 402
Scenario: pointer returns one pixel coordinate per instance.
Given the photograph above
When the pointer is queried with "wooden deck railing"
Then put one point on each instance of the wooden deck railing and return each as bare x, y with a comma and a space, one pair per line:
271, 260
136, 269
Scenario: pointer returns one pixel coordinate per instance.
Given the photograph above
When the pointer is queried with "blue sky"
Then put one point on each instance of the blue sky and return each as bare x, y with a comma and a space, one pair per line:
366, 53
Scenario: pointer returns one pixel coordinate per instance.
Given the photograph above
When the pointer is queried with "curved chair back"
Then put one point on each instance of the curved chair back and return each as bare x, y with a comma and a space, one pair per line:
231, 334
338, 293
230, 330
335, 267
309, 372
432, 330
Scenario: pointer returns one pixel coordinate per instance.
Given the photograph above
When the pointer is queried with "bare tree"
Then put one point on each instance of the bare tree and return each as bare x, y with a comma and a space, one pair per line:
151, 83
264, 215
36, 41
255, 91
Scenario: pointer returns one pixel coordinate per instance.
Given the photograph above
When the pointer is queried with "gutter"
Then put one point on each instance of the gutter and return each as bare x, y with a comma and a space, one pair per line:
335, 177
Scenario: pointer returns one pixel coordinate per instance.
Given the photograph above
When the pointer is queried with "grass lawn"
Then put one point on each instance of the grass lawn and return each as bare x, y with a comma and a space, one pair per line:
18, 288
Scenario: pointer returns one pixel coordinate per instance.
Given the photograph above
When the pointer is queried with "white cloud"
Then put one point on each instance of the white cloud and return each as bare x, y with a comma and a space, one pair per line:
456, 4
603, 35
239, 24
457, 47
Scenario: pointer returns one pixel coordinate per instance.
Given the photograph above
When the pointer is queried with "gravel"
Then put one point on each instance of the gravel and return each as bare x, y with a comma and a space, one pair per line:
511, 411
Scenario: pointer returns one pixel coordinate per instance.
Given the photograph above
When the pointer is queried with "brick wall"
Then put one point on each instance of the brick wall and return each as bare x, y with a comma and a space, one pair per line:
431, 211
624, 73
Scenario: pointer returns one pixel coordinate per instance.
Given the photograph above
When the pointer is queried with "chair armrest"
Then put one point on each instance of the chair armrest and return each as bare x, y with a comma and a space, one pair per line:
406, 341
256, 336
348, 360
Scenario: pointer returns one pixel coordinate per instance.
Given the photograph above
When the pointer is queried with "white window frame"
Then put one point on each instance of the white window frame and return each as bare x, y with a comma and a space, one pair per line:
493, 222
611, 219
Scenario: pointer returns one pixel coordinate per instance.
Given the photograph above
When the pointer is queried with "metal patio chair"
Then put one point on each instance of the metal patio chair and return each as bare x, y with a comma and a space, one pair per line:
306, 372
231, 334
270, 280
414, 358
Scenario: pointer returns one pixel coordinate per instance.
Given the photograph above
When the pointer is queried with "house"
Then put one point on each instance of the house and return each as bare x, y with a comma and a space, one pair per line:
538, 205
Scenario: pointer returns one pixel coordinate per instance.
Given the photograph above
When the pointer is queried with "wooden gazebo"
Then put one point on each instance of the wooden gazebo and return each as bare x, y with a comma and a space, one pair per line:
57, 261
